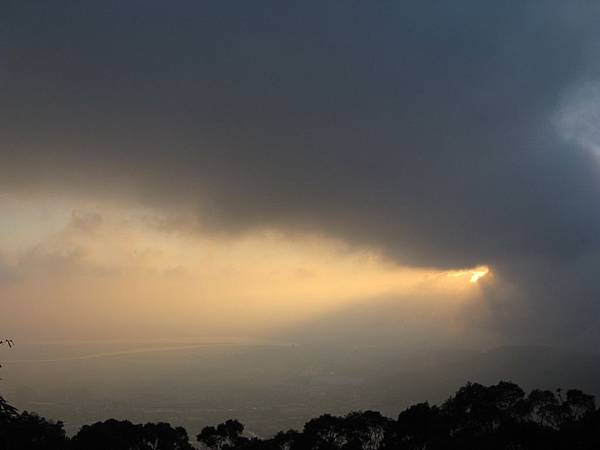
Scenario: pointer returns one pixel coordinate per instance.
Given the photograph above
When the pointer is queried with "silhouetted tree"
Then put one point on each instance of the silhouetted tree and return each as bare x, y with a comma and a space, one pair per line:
124, 435
545, 408
28, 431
419, 427
7, 411
579, 405
365, 430
162, 436
497, 417
325, 433
113, 434
225, 435
286, 440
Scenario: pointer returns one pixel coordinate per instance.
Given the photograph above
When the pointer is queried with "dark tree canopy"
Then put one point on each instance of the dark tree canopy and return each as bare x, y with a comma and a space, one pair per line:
28, 431
225, 435
124, 435
497, 417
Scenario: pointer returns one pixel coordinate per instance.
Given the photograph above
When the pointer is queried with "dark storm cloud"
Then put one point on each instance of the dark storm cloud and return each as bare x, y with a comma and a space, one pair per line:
424, 128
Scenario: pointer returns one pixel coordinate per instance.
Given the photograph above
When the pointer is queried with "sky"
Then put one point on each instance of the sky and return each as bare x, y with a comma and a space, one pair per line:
396, 171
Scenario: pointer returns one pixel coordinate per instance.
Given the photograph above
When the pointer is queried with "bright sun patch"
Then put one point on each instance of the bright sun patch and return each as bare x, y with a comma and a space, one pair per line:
479, 273
474, 274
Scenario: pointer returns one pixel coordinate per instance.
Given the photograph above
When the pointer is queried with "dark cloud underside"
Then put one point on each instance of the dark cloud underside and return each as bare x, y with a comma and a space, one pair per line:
424, 128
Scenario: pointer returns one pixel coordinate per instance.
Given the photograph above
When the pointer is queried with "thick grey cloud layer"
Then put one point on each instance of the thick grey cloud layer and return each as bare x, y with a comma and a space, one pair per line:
424, 128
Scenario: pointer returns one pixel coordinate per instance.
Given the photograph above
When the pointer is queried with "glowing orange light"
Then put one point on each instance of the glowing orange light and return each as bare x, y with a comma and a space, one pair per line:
474, 274
479, 273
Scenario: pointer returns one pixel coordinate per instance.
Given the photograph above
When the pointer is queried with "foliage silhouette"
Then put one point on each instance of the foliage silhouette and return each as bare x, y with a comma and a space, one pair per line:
28, 431
494, 417
225, 435
123, 435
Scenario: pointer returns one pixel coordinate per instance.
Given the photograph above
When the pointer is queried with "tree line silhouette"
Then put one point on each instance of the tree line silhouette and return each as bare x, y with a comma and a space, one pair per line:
478, 417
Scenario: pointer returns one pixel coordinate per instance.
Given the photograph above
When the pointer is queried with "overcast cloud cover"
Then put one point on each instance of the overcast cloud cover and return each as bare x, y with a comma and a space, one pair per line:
446, 134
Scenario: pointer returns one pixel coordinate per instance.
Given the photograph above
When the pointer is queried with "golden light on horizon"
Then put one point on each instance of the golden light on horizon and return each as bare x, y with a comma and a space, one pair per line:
112, 268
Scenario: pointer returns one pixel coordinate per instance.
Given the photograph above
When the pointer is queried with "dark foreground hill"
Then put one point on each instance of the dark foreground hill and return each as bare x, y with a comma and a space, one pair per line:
500, 416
